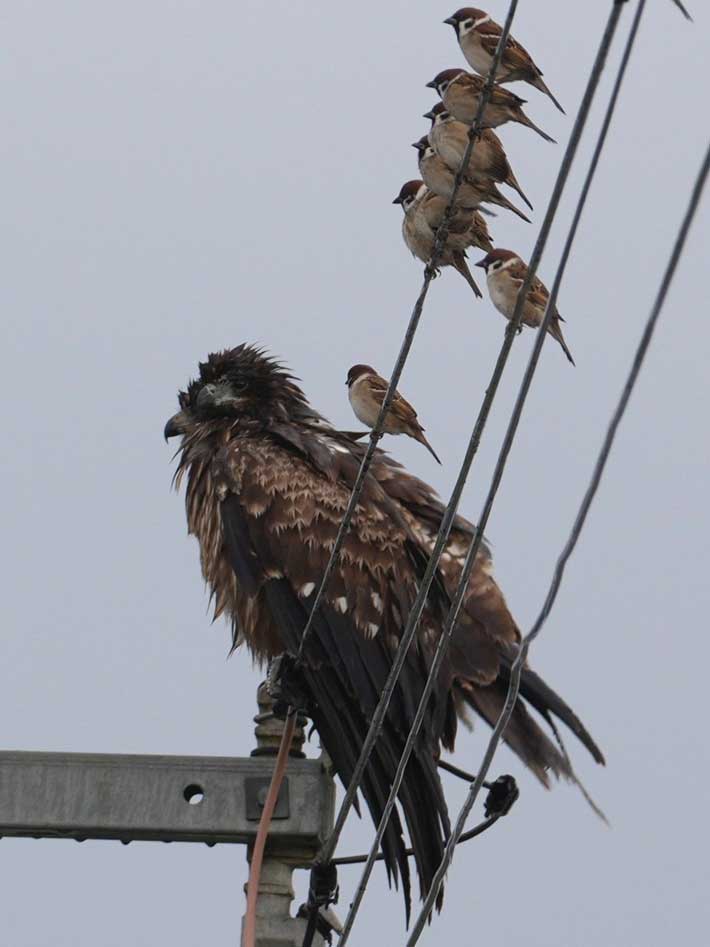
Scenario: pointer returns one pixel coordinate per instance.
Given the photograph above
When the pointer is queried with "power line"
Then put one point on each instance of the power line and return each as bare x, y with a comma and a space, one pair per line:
450, 622
580, 519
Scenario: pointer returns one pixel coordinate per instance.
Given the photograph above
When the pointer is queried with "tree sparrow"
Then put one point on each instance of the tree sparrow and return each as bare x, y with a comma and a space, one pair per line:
439, 178
460, 92
478, 36
423, 213
366, 391
467, 228
505, 272
449, 139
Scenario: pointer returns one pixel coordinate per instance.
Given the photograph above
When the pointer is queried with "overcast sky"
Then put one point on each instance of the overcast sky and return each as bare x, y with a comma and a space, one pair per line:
184, 176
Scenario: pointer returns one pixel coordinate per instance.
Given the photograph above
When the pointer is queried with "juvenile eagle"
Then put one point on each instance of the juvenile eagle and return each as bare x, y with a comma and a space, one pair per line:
268, 480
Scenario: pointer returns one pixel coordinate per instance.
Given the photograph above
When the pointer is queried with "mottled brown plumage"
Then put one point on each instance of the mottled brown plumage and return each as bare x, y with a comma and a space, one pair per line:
268, 480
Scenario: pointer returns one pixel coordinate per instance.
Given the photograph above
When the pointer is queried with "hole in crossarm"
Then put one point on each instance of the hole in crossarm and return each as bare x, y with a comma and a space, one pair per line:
193, 794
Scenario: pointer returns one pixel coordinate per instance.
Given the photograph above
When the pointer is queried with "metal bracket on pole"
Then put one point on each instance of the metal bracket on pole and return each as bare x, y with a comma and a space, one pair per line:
210, 799
207, 799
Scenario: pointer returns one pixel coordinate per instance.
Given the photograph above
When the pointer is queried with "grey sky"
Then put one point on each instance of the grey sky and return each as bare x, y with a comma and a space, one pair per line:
182, 176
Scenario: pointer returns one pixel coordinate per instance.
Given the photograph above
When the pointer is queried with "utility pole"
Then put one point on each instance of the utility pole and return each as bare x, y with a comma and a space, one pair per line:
275, 925
214, 800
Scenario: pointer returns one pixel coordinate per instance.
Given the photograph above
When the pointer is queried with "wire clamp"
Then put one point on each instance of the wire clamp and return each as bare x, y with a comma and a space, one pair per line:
502, 796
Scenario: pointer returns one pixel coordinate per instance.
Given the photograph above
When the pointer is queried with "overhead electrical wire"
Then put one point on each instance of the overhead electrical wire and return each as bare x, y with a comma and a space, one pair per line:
450, 623
580, 519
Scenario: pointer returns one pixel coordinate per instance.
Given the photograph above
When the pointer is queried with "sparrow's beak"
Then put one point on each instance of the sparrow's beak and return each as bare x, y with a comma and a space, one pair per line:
450, 21
431, 85
417, 145
175, 426
483, 263
429, 115
397, 200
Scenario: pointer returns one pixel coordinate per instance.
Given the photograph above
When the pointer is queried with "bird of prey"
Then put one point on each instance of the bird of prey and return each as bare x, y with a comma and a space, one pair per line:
267, 483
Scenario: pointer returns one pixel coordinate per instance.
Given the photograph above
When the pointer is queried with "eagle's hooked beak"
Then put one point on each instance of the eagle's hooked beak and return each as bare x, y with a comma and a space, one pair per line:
174, 427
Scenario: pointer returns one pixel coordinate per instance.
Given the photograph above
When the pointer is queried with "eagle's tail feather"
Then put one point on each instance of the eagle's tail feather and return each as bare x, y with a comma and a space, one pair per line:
546, 701
345, 673
523, 735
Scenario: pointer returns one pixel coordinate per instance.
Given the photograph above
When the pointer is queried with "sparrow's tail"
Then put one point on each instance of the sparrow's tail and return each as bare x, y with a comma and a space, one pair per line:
556, 333
521, 117
539, 84
459, 263
419, 436
479, 234
512, 181
502, 201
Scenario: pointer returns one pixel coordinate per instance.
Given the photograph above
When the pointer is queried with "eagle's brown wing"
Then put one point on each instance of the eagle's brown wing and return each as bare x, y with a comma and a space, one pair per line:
484, 642
280, 515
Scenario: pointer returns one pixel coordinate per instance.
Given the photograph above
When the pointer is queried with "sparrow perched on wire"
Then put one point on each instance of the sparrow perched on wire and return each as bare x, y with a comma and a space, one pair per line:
449, 139
366, 391
423, 214
472, 192
460, 92
478, 37
505, 273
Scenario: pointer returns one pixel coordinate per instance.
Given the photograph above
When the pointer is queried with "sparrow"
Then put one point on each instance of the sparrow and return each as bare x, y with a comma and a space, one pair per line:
467, 228
423, 213
460, 92
505, 272
478, 37
473, 192
366, 391
449, 139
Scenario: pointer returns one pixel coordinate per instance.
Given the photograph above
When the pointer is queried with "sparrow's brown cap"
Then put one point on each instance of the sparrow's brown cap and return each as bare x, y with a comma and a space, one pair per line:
498, 254
439, 109
408, 191
465, 13
357, 371
446, 75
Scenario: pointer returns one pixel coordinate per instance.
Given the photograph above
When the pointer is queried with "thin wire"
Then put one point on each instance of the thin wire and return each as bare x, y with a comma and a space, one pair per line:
600, 464
429, 274
466, 837
450, 623
326, 852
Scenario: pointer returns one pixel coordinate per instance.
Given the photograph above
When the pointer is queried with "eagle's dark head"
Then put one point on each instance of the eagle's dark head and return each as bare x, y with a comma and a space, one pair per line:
242, 383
